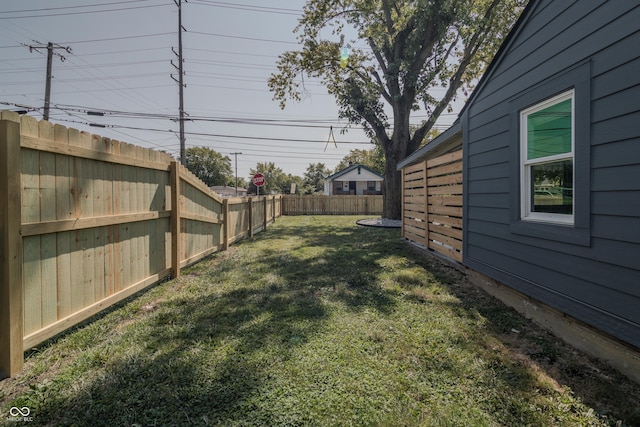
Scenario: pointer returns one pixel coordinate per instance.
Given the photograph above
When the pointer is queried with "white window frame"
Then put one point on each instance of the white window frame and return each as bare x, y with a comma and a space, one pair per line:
525, 165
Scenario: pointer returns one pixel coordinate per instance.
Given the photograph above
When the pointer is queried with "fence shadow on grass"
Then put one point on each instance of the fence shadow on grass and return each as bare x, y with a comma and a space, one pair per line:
199, 355
201, 352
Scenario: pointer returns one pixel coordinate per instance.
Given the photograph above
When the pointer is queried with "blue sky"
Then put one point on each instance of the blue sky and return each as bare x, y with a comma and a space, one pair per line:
121, 62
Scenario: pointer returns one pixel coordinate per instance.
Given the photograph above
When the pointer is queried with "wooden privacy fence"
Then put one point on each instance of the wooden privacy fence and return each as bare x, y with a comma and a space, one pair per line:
332, 205
432, 204
87, 221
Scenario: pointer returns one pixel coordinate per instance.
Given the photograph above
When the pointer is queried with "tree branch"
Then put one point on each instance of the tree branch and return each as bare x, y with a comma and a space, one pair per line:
383, 91
378, 55
387, 17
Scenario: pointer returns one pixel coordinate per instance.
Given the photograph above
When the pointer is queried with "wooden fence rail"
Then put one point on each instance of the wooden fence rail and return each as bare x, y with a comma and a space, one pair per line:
87, 221
332, 205
432, 204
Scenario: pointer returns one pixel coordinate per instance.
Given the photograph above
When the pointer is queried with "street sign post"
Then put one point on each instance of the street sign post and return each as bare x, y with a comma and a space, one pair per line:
258, 181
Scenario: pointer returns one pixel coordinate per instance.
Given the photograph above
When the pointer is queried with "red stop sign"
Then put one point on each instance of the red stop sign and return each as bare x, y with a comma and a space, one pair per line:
258, 180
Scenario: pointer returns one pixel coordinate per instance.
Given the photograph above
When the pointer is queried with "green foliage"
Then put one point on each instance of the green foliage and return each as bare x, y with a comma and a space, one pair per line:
210, 166
276, 181
402, 52
373, 159
292, 179
313, 180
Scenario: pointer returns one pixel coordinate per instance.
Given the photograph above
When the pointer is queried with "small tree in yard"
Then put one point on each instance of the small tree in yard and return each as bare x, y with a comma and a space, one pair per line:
413, 46
313, 180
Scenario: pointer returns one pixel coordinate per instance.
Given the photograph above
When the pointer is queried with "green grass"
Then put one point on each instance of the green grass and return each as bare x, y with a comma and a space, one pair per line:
316, 322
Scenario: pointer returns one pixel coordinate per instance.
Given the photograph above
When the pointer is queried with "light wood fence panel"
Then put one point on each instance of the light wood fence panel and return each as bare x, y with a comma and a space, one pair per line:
432, 204
87, 221
332, 205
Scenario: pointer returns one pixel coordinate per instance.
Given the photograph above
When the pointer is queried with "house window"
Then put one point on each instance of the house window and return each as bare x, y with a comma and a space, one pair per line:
547, 160
371, 185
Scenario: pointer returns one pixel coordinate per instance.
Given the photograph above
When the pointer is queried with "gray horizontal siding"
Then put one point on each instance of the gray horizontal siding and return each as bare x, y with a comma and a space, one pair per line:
597, 282
556, 46
607, 321
610, 252
554, 270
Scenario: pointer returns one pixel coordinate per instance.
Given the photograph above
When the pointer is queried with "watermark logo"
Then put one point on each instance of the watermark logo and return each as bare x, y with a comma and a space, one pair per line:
20, 414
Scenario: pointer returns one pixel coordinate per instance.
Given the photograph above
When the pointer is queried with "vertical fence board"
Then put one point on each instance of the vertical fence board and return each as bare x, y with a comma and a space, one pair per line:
77, 278
47, 251
11, 246
64, 210
48, 280
175, 219
32, 284
32, 273
63, 270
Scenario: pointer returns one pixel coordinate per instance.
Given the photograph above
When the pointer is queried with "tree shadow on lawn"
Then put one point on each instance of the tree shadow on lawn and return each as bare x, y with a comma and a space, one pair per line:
205, 351
202, 355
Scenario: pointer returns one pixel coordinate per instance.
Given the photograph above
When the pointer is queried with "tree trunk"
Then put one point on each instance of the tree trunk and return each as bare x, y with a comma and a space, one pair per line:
392, 206
395, 150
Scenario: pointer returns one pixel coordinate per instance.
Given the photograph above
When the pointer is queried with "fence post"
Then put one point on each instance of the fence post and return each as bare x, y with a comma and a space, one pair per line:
11, 292
250, 216
273, 207
225, 224
265, 216
175, 219
403, 190
426, 205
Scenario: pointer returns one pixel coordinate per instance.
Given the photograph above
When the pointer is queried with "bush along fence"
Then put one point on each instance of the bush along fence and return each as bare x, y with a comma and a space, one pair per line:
87, 221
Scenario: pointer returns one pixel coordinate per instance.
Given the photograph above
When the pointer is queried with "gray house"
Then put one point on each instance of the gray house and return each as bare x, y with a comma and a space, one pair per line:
551, 164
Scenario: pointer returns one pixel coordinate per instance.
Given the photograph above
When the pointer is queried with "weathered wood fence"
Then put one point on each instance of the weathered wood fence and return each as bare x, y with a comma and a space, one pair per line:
432, 204
87, 221
331, 205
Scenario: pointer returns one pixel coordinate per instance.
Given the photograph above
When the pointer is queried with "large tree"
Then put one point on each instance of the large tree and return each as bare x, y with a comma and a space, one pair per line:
210, 166
401, 52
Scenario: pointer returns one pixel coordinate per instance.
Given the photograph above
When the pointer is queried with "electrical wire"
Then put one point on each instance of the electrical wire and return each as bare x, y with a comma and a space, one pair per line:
254, 39
73, 7
252, 8
49, 15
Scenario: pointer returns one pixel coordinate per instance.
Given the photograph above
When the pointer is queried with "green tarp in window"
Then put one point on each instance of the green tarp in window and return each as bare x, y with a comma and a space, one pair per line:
549, 131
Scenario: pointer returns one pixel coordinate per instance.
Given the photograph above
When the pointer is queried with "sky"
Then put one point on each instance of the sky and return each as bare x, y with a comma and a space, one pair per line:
121, 61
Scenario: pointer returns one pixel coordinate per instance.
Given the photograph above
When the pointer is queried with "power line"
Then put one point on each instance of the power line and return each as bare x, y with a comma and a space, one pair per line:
277, 10
49, 15
120, 38
215, 135
242, 37
73, 7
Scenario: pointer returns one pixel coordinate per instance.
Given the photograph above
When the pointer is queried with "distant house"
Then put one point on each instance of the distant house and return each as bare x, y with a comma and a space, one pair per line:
356, 179
551, 172
227, 191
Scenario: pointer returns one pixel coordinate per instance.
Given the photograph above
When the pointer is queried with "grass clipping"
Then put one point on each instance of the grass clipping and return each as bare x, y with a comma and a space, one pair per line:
317, 322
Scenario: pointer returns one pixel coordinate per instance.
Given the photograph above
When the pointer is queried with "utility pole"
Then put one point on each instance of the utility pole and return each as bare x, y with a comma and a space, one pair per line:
50, 52
180, 79
236, 156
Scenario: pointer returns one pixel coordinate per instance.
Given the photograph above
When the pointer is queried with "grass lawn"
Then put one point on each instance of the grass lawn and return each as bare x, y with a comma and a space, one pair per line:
316, 322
